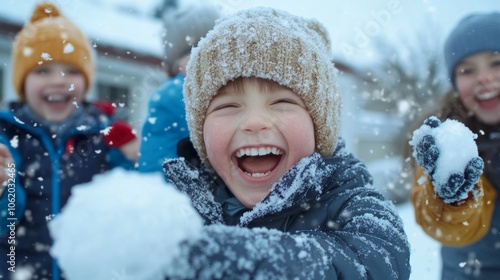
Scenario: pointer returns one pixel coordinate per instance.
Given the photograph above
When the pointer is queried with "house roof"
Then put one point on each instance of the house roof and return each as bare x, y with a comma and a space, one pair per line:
122, 34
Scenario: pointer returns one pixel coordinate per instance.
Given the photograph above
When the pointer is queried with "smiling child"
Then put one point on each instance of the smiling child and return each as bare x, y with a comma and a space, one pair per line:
50, 140
280, 195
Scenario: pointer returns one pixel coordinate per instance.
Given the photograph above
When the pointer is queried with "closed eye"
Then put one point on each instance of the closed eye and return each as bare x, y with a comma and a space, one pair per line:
289, 102
224, 106
464, 71
495, 63
72, 71
286, 100
41, 70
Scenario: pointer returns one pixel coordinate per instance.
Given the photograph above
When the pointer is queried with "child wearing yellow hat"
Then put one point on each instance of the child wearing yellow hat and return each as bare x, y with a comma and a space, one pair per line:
51, 140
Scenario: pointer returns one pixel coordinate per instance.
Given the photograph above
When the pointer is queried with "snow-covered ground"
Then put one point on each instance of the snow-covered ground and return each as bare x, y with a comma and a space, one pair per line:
425, 252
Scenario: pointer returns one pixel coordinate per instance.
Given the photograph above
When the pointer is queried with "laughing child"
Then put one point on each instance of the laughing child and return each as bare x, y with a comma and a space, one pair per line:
51, 140
280, 195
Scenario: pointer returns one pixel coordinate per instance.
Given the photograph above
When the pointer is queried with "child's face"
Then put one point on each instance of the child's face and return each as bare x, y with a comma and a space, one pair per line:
54, 91
254, 135
478, 82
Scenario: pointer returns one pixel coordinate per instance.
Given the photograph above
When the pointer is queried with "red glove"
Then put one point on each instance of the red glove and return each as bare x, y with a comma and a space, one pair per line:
119, 134
106, 107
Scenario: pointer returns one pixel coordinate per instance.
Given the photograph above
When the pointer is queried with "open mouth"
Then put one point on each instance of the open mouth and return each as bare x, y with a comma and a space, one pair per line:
488, 100
258, 162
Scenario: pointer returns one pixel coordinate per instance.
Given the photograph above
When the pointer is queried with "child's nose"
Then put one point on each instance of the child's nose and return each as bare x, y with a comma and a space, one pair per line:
485, 76
255, 120
58, 77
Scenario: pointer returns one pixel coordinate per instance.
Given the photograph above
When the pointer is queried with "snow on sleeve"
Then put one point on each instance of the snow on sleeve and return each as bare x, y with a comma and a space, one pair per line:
456, 146
122, 223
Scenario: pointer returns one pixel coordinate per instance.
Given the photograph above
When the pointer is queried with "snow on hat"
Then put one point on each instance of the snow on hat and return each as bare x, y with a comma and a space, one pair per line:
47, 38
473, 34
184, 27
270, 44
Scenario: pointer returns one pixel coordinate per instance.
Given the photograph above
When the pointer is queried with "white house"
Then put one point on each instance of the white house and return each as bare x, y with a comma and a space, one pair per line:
127, 47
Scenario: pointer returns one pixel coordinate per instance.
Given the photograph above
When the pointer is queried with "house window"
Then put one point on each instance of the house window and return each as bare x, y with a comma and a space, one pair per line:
113, 93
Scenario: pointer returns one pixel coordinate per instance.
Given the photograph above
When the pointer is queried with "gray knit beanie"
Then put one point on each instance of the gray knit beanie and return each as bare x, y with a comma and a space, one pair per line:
473, 34
184, 27
270, 44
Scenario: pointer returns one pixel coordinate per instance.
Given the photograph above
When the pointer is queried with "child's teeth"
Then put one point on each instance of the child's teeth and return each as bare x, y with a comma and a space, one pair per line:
257, 175
486, 96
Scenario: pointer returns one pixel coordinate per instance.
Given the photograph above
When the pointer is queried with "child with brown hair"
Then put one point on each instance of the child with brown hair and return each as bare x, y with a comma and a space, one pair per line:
460, 208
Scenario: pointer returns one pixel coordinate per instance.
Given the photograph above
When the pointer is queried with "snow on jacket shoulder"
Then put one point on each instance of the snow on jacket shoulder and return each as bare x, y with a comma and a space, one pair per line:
450, 224
321, 220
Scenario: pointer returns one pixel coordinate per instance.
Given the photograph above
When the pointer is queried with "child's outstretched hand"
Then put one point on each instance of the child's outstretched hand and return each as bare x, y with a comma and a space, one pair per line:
448, 153
5, 161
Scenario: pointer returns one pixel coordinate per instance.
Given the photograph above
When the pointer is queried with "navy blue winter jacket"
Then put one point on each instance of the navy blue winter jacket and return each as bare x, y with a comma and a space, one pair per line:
321, 220
47, 166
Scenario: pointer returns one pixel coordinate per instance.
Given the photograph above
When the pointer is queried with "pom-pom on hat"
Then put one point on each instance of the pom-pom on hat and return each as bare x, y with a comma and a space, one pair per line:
47, 38
473, 34
184, 27
269, 44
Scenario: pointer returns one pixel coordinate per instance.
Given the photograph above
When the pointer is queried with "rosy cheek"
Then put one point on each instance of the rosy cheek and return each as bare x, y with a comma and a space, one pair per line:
214, 138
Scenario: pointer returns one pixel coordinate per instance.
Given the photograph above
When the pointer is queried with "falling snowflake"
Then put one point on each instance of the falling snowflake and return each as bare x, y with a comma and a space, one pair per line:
46, 56
27, 51
68, 48
152, 120
82, 128
106, 130
14, 142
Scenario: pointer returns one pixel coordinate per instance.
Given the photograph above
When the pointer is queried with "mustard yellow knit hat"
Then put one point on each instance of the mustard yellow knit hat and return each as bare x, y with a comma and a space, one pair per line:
47, 38
270, 44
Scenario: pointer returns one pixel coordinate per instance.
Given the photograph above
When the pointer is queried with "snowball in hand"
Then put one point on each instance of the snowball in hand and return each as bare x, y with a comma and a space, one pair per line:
122, 224
456, 146
448, 153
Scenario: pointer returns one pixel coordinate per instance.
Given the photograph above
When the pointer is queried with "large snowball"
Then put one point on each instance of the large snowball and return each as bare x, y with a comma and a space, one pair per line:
122, 224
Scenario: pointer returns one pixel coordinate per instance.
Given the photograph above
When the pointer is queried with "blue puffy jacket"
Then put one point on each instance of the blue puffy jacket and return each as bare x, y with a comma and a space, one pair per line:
164, 127
47, 166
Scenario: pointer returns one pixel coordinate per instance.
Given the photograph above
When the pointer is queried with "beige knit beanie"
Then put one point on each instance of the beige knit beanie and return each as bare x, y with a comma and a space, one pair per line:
47, 38
270, 44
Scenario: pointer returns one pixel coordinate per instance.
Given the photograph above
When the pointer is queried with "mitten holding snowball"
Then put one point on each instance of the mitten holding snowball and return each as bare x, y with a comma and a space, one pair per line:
448, 154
